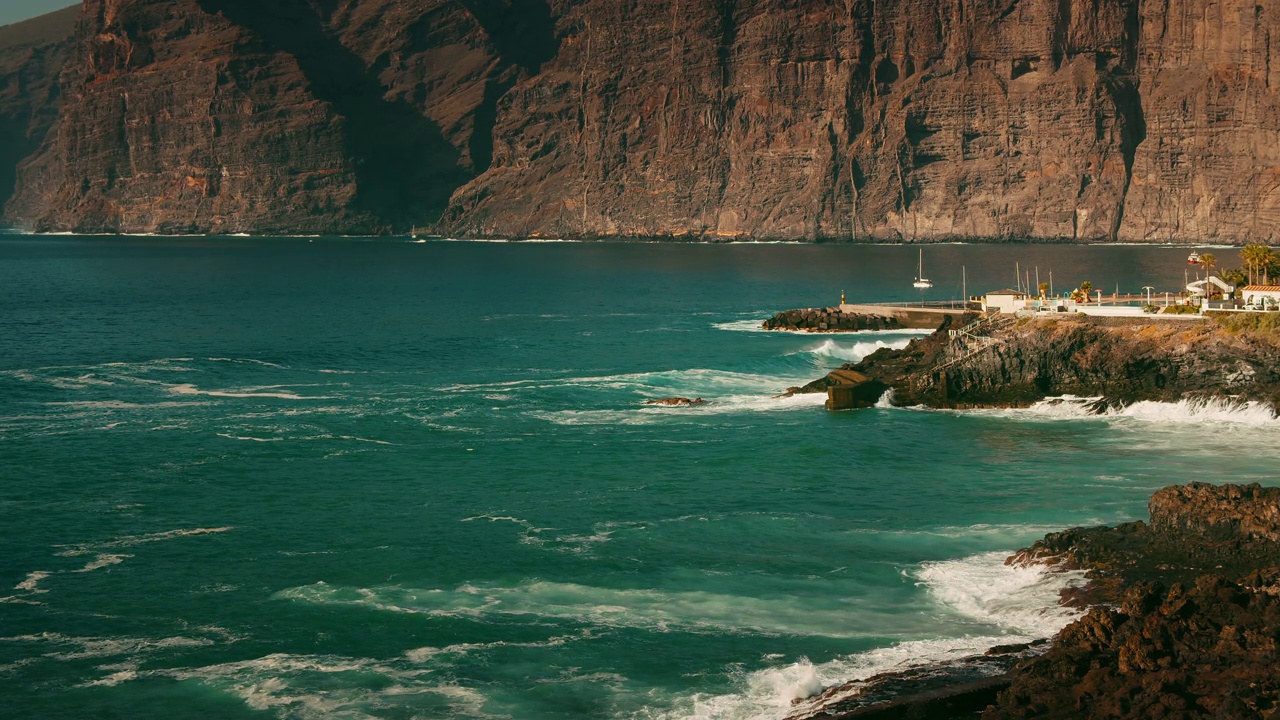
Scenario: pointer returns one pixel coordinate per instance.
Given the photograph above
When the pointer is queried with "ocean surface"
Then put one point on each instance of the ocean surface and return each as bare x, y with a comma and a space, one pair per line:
332, 478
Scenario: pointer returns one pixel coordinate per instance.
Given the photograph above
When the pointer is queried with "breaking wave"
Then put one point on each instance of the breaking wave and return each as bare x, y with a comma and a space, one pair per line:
1019, 603
1193, 410
856, 351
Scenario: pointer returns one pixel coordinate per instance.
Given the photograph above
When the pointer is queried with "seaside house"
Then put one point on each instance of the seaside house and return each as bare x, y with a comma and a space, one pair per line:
1006, 301
1261, 297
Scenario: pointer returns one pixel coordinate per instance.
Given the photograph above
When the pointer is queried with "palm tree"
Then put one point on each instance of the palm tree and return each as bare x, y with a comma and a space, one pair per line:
1257, 258
1209, 262
1086, 287
1044, 289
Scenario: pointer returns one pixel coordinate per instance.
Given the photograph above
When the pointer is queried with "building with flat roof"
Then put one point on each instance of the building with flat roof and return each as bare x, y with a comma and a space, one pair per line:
1006, 301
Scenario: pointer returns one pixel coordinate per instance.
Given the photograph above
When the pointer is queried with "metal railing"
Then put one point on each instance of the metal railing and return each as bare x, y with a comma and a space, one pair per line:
932, 304
975, 338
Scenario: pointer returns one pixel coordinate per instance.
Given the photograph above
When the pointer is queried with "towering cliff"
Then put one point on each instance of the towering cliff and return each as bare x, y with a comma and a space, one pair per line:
32, 54
1071, 120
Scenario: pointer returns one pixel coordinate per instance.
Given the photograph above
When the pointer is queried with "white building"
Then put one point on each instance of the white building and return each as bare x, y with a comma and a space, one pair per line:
1006, 301
1261, 297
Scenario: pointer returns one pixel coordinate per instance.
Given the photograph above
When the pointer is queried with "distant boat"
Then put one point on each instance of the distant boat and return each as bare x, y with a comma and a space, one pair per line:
921, 282
1193, 258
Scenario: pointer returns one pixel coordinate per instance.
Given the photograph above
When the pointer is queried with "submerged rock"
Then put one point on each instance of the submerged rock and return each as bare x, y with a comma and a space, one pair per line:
676, 401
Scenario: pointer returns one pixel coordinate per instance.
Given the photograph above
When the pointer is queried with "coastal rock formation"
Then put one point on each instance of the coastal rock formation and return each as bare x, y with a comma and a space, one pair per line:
1204, 650
676, 401
1192, 624
32, 54
1071, 120
1186, 624
1020, 362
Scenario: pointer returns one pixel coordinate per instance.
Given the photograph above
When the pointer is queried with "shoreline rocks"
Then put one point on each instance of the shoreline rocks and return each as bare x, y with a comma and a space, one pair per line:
1184, 623
1017, 362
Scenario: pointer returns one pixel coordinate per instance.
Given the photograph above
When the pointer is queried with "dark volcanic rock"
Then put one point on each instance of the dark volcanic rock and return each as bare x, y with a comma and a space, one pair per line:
676, 401
1186, 624
1195, 529
1191, 628
1070, 120
1207, 649
829, 320
1028, 360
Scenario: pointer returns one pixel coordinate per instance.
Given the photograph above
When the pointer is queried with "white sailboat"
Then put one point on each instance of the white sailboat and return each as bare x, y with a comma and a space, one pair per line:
921, 282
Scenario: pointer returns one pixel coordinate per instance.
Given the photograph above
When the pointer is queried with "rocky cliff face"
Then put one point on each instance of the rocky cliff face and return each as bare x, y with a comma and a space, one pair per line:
32, 54
231, 116
839, 119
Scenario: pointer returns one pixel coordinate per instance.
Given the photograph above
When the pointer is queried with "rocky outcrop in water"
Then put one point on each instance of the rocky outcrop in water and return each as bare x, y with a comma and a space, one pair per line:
1021, 362
1070, 120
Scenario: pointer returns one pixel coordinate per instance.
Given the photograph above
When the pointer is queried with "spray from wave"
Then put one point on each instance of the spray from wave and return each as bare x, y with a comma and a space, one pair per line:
1002, 604
1191, 410
855, 352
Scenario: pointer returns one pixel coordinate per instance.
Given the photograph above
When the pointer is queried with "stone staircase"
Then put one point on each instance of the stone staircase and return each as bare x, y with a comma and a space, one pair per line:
974, 339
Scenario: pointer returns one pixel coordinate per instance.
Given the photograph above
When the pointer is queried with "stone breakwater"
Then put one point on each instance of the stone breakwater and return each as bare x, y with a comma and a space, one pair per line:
830, 319
1184, 623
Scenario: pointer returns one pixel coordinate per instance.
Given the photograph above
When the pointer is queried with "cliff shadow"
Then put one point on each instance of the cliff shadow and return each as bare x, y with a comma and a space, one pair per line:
15, 147
405, 168
522, 31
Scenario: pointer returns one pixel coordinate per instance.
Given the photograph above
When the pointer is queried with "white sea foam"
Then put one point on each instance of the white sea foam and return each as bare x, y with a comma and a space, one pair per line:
31, 583
656, 610
190, 389
856, 351
555, 539
1020, 599
772, 693
326, 686
1209, 410
249, 361
248, 438
103, 560
69, 647
132, 540
427, 654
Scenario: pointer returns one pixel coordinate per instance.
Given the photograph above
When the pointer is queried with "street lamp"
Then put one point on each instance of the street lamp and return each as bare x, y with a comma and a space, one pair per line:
1148, 288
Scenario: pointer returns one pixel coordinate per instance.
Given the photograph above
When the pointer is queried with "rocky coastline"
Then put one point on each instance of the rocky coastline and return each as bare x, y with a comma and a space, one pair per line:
1183, 622
980, 361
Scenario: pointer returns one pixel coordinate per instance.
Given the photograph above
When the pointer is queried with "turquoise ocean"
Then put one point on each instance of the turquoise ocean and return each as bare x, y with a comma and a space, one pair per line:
334, 478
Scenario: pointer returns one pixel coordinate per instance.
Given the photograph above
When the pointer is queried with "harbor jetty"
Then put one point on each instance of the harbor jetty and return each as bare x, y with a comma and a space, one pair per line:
850, 317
